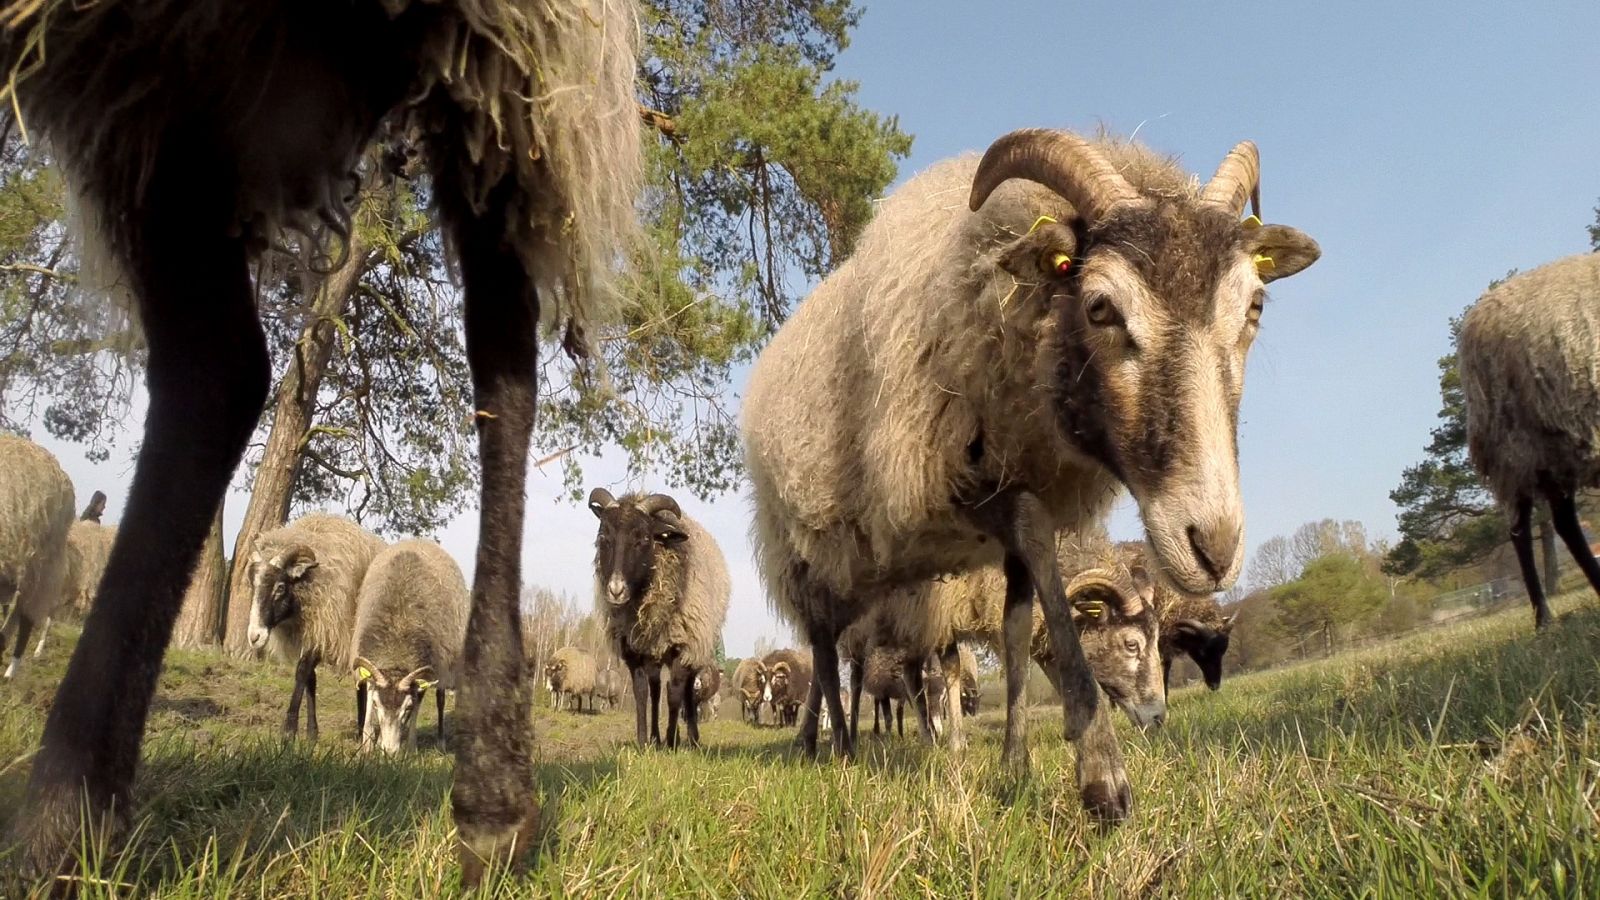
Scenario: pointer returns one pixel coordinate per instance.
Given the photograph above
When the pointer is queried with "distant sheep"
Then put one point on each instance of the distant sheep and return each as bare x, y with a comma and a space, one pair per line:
788, 684
750, 683
661, 586
1529, 354
976, 377
304, 581
410, 628
570, 676
608, 687
36, 503
708, 693
88, 549
1194, 625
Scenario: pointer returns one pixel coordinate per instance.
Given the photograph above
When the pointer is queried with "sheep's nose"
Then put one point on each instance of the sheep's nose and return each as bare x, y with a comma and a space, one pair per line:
1215, 545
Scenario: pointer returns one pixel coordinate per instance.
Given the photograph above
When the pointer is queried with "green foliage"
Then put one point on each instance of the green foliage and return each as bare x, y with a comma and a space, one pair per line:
1332, 593
1448, 519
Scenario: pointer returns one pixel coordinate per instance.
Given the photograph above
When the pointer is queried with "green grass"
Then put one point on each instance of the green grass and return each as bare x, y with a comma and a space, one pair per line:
1461, 762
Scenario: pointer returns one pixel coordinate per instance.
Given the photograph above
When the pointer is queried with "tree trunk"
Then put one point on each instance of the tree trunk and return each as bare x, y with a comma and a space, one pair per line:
291, 420
1552, 559
200, 620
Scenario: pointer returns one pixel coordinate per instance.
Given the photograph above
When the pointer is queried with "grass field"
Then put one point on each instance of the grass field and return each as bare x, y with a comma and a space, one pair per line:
1460, 762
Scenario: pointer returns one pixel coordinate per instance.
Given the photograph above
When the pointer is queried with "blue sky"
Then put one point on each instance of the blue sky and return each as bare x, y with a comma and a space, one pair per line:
1427, 150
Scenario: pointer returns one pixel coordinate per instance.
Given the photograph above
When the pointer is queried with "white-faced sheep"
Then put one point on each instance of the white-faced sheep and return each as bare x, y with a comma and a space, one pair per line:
708, 693
410, 627
1529, 353
192, 131
36, 502
788, 684
750, 682
973, 379
570, 676
661, 585
305, 578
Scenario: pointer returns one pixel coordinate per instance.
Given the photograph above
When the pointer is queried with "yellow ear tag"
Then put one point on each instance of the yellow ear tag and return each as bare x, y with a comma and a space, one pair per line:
426, 685
1094, 609
364, 673
1060, 263
1250, 223
1264, 263
1040, 221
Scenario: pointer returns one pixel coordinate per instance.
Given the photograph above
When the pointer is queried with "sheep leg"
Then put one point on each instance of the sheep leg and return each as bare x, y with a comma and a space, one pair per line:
825, 673
438, 706
24, 628
1522, 540
361, 708
44, 630
641, 696
291, 718
311, 702
655, 705
917, 692
1017, 632
675, 698
691, 711
492, 798
950, 660
208, 374
1564, 509
855, 698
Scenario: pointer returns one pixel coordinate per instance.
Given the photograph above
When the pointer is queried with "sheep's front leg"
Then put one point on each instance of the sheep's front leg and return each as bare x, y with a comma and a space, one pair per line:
655, 705
676, 678
1017, 633
1564, 514
691, 711
207, 378
1522, 541
950, 662
917, 691
311, 700
641, 696
496, 814
855, 699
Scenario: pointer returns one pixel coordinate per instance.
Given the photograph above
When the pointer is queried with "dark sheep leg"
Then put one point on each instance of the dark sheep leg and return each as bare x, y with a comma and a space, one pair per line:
1522, 541
1564, 510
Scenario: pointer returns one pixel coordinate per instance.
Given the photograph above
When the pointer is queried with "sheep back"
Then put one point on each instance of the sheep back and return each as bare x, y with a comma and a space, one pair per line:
1529, 353
36, 513
682, 613
328, 594
412, 610
88, 549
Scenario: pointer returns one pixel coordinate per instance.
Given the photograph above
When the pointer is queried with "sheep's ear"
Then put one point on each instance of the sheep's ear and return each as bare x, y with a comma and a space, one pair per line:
669, 533
302, 564
1227, 624
1045, 253
1281, 251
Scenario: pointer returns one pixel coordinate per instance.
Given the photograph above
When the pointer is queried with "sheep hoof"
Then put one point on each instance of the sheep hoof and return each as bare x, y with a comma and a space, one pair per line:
481, 849
51, 836
1110, 801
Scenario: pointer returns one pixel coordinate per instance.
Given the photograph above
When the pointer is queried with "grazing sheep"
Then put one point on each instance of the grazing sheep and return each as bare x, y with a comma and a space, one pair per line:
891, 677
305, 578
1194, 625
570, 675
36, 502
410, 625
191, 131
972, 380
661, 585
608, 686
750, 681
708, 693
788, 684
1530, 371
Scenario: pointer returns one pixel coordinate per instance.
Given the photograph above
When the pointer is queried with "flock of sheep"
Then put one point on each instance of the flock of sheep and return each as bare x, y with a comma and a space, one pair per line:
929, 436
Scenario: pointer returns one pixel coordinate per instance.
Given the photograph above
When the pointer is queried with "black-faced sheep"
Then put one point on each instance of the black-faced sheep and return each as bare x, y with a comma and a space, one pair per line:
708, 693
410, 627
192, 131
36, 509
661, 585
788, 684
750, 682
972, 380
1529, 353
305, 578
1196, 626
570, 676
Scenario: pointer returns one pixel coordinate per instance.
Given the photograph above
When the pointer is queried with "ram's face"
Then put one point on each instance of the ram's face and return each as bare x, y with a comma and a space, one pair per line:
275, 582
393, 698
625, 548
1156, 311
1119, 630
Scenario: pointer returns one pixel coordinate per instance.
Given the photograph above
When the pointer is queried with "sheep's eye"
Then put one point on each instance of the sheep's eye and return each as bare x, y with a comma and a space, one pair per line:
1099, 311
1132, 646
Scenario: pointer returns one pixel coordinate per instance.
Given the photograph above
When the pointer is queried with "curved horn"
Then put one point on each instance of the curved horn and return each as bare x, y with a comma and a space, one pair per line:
1062, 162
413, 675
1193, 625
660, 502
1238, 179
600, 498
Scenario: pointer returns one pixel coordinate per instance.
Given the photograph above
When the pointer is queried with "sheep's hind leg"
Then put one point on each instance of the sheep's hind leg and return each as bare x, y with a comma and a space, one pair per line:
44, 631
1564, 510
856, 668
917, 691
1017, 632
950, 662
495, 810
825, 673
1522, 541
207, 378
24, 626
691, 710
